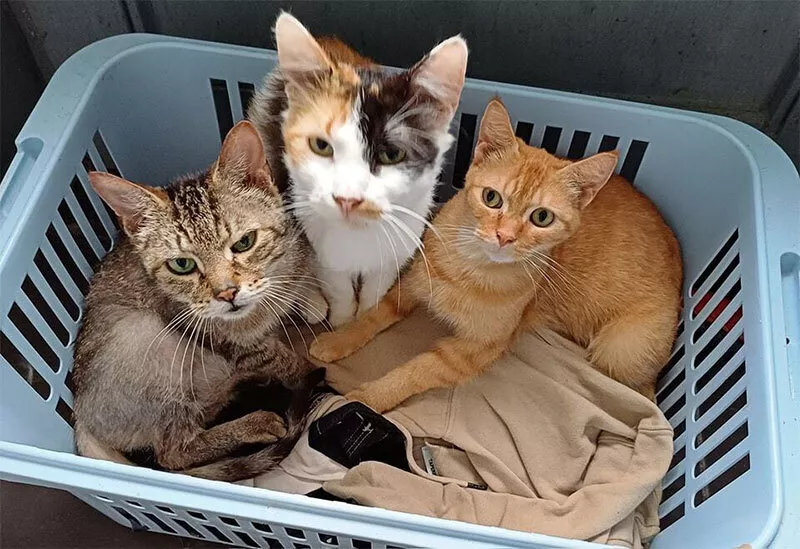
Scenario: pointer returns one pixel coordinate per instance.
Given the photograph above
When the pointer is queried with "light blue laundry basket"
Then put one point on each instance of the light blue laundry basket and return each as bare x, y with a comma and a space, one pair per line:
153, 107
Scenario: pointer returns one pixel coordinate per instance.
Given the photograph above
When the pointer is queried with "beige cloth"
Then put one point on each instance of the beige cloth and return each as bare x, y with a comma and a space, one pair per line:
562, 449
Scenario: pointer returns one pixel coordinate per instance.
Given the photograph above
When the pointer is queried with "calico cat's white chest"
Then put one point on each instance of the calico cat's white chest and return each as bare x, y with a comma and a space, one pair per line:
358, 251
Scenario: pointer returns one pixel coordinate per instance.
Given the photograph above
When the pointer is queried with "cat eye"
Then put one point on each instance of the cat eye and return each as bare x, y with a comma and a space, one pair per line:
320, 146
391, 155
244, 243
182, 265
542, 217
492, 198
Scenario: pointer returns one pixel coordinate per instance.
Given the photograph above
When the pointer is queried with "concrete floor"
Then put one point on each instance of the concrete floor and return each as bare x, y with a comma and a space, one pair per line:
39, 518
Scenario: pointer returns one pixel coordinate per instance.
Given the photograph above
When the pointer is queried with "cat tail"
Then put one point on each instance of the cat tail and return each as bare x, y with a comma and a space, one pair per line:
248, 466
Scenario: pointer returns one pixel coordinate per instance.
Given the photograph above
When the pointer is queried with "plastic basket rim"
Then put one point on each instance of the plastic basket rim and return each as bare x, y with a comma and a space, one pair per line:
136, 42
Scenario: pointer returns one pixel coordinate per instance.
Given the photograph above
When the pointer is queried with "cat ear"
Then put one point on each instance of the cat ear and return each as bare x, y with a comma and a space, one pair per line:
495, 133
441, 73
242, 158
589, 175
131, 202
298, 52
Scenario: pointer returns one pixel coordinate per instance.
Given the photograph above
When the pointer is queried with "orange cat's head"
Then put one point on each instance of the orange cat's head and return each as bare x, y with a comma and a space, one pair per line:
525, 200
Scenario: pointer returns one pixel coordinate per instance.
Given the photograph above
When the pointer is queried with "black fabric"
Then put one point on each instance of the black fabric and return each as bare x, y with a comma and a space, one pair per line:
320, 493
354, 433
144, 457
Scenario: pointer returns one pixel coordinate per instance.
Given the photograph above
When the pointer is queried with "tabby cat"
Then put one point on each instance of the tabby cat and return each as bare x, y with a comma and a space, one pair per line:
183, 311
532, 240
359, 149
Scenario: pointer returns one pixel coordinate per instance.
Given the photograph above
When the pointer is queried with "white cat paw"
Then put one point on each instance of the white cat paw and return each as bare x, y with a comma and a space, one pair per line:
337, 320
315, 308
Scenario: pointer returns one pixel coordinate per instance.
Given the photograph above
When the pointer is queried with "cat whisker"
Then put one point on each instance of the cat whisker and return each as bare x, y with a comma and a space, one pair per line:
527, 272
396, 262
190, 344
555, 291
419, 245
268, 307
419, 218
174, 356
293, 308
206, 322
276, 301
165, 331
380, 274
298, 278
302, 301
566, 277
401, 115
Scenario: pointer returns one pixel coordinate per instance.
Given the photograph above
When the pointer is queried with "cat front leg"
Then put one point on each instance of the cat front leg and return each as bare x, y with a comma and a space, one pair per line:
453, 361
186, 444
374, 286
346, 340
311, 303
341, 296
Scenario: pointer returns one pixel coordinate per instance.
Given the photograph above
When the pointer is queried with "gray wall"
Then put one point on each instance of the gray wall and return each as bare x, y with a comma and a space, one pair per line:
738, 58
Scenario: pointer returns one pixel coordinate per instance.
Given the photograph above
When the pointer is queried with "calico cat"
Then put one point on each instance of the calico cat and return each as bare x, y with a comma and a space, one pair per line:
360, 150
532, 240
183, 311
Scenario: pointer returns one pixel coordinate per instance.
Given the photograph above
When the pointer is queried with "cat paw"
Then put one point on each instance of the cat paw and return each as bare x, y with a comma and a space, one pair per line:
371, 397
337, 320
330, 347
315, 308
266, 428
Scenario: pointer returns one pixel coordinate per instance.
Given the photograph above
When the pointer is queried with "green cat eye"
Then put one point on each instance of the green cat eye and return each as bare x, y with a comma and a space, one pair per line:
492, 198
320, 146
542, 217
244, 243
182, 265
391, 155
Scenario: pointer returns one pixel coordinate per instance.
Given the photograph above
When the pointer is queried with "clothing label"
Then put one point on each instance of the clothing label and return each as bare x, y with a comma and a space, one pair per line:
427, 457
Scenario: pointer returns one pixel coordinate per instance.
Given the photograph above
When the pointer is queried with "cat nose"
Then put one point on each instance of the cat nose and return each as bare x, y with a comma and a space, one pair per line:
227, 294
347, 205
504, 238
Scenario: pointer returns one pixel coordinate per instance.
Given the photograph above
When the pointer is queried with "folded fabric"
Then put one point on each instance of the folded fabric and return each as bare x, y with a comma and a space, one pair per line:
541, 442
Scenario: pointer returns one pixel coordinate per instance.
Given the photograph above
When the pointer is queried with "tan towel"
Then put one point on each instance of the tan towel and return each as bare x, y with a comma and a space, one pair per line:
562, 449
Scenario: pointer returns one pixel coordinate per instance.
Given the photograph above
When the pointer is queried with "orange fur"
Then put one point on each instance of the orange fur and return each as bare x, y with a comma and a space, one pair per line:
606, 272
339, 52
319, 109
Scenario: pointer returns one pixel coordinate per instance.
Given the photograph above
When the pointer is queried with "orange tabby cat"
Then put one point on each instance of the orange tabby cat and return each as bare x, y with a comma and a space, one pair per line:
531, 240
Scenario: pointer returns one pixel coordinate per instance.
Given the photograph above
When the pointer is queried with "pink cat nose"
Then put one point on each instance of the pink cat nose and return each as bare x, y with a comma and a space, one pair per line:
347, 205
228, 294
504, 238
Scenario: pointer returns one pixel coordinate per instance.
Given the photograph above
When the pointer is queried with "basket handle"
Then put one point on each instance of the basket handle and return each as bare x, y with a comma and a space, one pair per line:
790, 293
24, 167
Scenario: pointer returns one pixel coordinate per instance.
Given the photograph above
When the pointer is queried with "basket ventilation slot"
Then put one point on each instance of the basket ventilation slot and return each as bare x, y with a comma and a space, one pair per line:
17, 361
25, 327
90, 166
246, 92
673, 516
524, 131
222, 105
715, 346
715, 261
549, 139
230, 102
577, 148
465, 140
225, 529
724, 479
